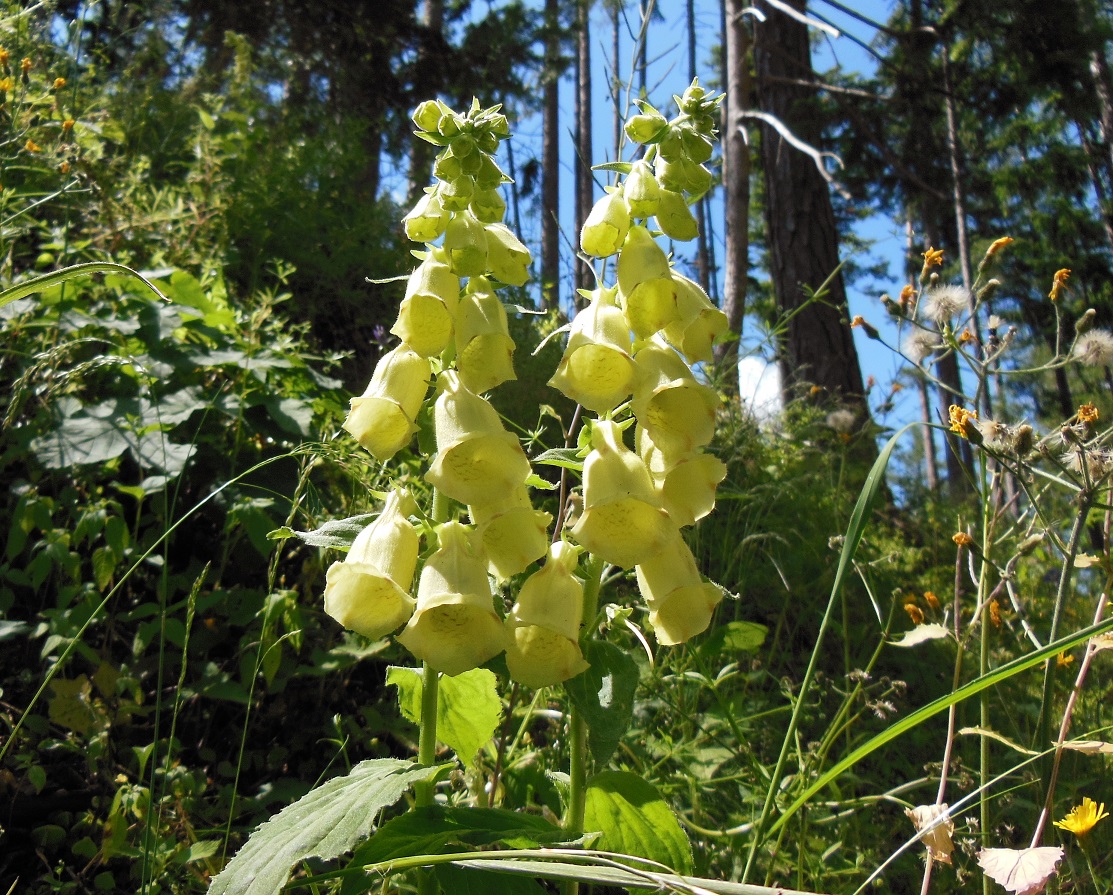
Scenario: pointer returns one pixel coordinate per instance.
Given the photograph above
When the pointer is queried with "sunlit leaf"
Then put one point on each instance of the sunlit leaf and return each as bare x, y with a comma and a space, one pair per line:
635, 820
605, 695
922, 634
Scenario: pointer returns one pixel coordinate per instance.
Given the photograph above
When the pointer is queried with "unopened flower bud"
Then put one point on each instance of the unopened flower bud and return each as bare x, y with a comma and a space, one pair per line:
988, 290
428, 115
455, 627
606, 226
1085, 323
465, 244
489, 176
675, 218
447, 167
670, 149
641, 191
646, 128
697, 147
369, 591
451, 124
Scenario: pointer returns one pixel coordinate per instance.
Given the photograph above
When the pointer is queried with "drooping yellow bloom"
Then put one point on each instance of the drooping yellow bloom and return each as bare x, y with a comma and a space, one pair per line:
427, 220
1059, 283
642, 192
454, 627
477, 460
544, 625
465, 244
623, 521
675, 218
1082, 818
606, 226
597, 369
488, 206
680, 602
685, 484
484, 348
507, 256
700, 324
425, 319
368, 592
677, 410
646, 290
513, 533
382, 418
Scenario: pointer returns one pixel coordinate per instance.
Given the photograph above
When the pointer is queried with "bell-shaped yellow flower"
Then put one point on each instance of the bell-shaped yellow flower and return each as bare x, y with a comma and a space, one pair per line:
484, 349
680, 602
488, 206
700, 325
645, 287
369, 591
426, 316
507, 256
382, 418
455, 627
623, 521
678, 411
675, 218
544, 625
685, 484
427, 220
642, 192
465, 244
513, 533
597, 370
456, 191
477, 459
606, 226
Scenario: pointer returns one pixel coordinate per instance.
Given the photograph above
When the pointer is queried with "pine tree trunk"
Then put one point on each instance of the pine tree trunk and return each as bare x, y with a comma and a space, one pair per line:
422, 153
550, 161
584, 181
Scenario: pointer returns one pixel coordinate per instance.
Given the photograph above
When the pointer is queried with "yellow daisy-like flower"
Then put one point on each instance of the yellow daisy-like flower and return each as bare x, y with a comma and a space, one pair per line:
961, 420
1088, 413
1082, 818
1059, 283
932, 258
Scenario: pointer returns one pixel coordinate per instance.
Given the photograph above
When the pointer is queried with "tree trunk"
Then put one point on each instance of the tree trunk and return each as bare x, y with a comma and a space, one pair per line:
703, 258
584, 181
422, 153
803, 241
736, 183
550, 161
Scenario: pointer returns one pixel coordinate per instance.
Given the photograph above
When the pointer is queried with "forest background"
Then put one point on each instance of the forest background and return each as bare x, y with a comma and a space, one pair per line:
254, 161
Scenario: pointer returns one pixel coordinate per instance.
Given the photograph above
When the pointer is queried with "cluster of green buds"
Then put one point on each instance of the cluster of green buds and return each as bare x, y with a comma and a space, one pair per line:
629, 359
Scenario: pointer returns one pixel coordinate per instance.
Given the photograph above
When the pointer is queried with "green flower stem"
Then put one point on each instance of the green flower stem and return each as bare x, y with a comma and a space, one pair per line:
427, 744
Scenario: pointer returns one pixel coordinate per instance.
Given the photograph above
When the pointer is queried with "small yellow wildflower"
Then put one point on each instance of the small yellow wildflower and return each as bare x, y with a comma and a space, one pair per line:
67, 125
932, 600
995, 613
1059, 283
4, 56
962, 539
1088, 413
815, 390
961, 419
966, 336
1082, 818
6, 85
998, 244
25, 64
896, 387
933, 258
859, 320
907, 294
1064, 660
32, 146
59, 83
915, 613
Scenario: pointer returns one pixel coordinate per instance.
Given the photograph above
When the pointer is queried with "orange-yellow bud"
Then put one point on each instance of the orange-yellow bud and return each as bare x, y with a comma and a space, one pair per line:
645, 286
455, 627
369, 591
544, 625
382, 418
680, 602
597, 370
623, 521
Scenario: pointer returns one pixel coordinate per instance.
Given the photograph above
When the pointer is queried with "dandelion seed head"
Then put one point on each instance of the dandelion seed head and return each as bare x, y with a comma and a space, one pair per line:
842, 421
1095, 348
942, 303
920, 345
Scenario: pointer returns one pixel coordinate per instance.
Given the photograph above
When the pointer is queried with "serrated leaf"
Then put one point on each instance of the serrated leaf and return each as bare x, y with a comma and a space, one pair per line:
325, 823
336, 533
429, 831
922, 634
735, 637
635, 820
535, 481
470, 881
605, 695
569, 458
468, 707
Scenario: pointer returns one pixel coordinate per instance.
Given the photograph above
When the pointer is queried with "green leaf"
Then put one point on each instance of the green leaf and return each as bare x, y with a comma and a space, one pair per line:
324, 823
605, 695
568, 458
337, 533
469, 881
735, 637
620, 167
468, 707
635, 820
428, 831
38, 284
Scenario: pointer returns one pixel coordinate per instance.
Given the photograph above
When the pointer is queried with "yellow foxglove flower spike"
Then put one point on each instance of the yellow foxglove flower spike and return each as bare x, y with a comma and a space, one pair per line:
623, 521
686, 484
455, 627
513, 533
642, 192
645, 287
700, 325
488, 206
606, 226
675, 218
680, 602
507, 256
368, 592
427, 220
382, 418
477, 460
465, 244
543, 646
597, 370
678, 411
425, 319
456, 191
484, 349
